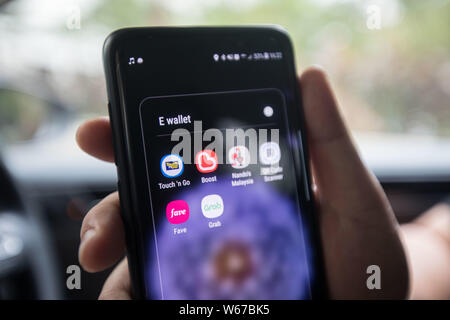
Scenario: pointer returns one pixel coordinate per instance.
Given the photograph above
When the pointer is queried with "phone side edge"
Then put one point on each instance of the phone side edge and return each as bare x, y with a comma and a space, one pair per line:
320, 290
122, 163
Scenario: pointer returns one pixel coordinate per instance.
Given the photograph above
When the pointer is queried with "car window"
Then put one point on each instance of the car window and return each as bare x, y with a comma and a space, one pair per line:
389, 60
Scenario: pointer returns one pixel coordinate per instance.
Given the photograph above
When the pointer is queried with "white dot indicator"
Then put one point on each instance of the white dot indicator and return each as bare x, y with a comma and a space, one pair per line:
268, 111
140, 60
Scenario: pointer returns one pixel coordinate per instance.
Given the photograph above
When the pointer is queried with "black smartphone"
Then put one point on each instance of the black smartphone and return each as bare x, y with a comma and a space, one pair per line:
212, 161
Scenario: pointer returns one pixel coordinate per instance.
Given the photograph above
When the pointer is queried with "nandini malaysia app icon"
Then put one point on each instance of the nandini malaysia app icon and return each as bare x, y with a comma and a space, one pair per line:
239, 157
172, 165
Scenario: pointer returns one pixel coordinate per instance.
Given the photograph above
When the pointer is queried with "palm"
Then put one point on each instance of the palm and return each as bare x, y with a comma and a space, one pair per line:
351, 245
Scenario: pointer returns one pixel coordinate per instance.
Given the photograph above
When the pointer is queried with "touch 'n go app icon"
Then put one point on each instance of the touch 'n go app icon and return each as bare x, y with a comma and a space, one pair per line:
212, 206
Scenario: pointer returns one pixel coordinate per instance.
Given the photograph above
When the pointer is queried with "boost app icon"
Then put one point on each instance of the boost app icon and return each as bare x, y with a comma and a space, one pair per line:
206, 161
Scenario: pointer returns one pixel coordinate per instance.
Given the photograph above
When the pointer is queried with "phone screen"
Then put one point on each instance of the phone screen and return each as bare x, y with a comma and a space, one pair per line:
217, 152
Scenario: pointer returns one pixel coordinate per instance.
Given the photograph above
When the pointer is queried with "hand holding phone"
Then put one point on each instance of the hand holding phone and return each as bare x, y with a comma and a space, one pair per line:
324, 125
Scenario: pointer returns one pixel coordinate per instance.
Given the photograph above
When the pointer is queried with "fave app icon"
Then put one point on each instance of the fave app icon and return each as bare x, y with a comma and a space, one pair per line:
206, 161
212, 206
177, 211
172, 165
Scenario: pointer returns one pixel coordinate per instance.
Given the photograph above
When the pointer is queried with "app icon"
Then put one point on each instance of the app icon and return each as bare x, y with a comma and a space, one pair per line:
206, 161
172, 165
177, 211
239, 157
212, 206
269, 153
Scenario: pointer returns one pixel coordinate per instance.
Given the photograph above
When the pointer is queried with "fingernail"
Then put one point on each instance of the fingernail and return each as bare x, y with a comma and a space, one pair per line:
317, 66
87, 235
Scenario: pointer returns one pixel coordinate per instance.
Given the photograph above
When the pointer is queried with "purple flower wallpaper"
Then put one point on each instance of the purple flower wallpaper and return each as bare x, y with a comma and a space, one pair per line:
254, 250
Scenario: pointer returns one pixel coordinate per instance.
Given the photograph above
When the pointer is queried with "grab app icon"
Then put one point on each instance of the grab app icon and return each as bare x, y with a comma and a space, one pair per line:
206, 161
177, 211
212, 206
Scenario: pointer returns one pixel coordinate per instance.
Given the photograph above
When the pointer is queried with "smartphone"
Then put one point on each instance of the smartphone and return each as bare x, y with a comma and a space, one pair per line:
212, 162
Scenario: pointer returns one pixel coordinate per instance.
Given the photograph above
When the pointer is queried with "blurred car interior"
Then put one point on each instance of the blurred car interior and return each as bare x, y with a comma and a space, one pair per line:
392, 80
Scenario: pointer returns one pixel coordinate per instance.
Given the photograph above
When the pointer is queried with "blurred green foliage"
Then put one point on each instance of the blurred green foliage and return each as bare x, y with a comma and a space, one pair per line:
20, 115
393, 79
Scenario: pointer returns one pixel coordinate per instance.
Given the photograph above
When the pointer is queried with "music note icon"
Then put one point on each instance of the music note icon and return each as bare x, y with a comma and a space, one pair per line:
131, 61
